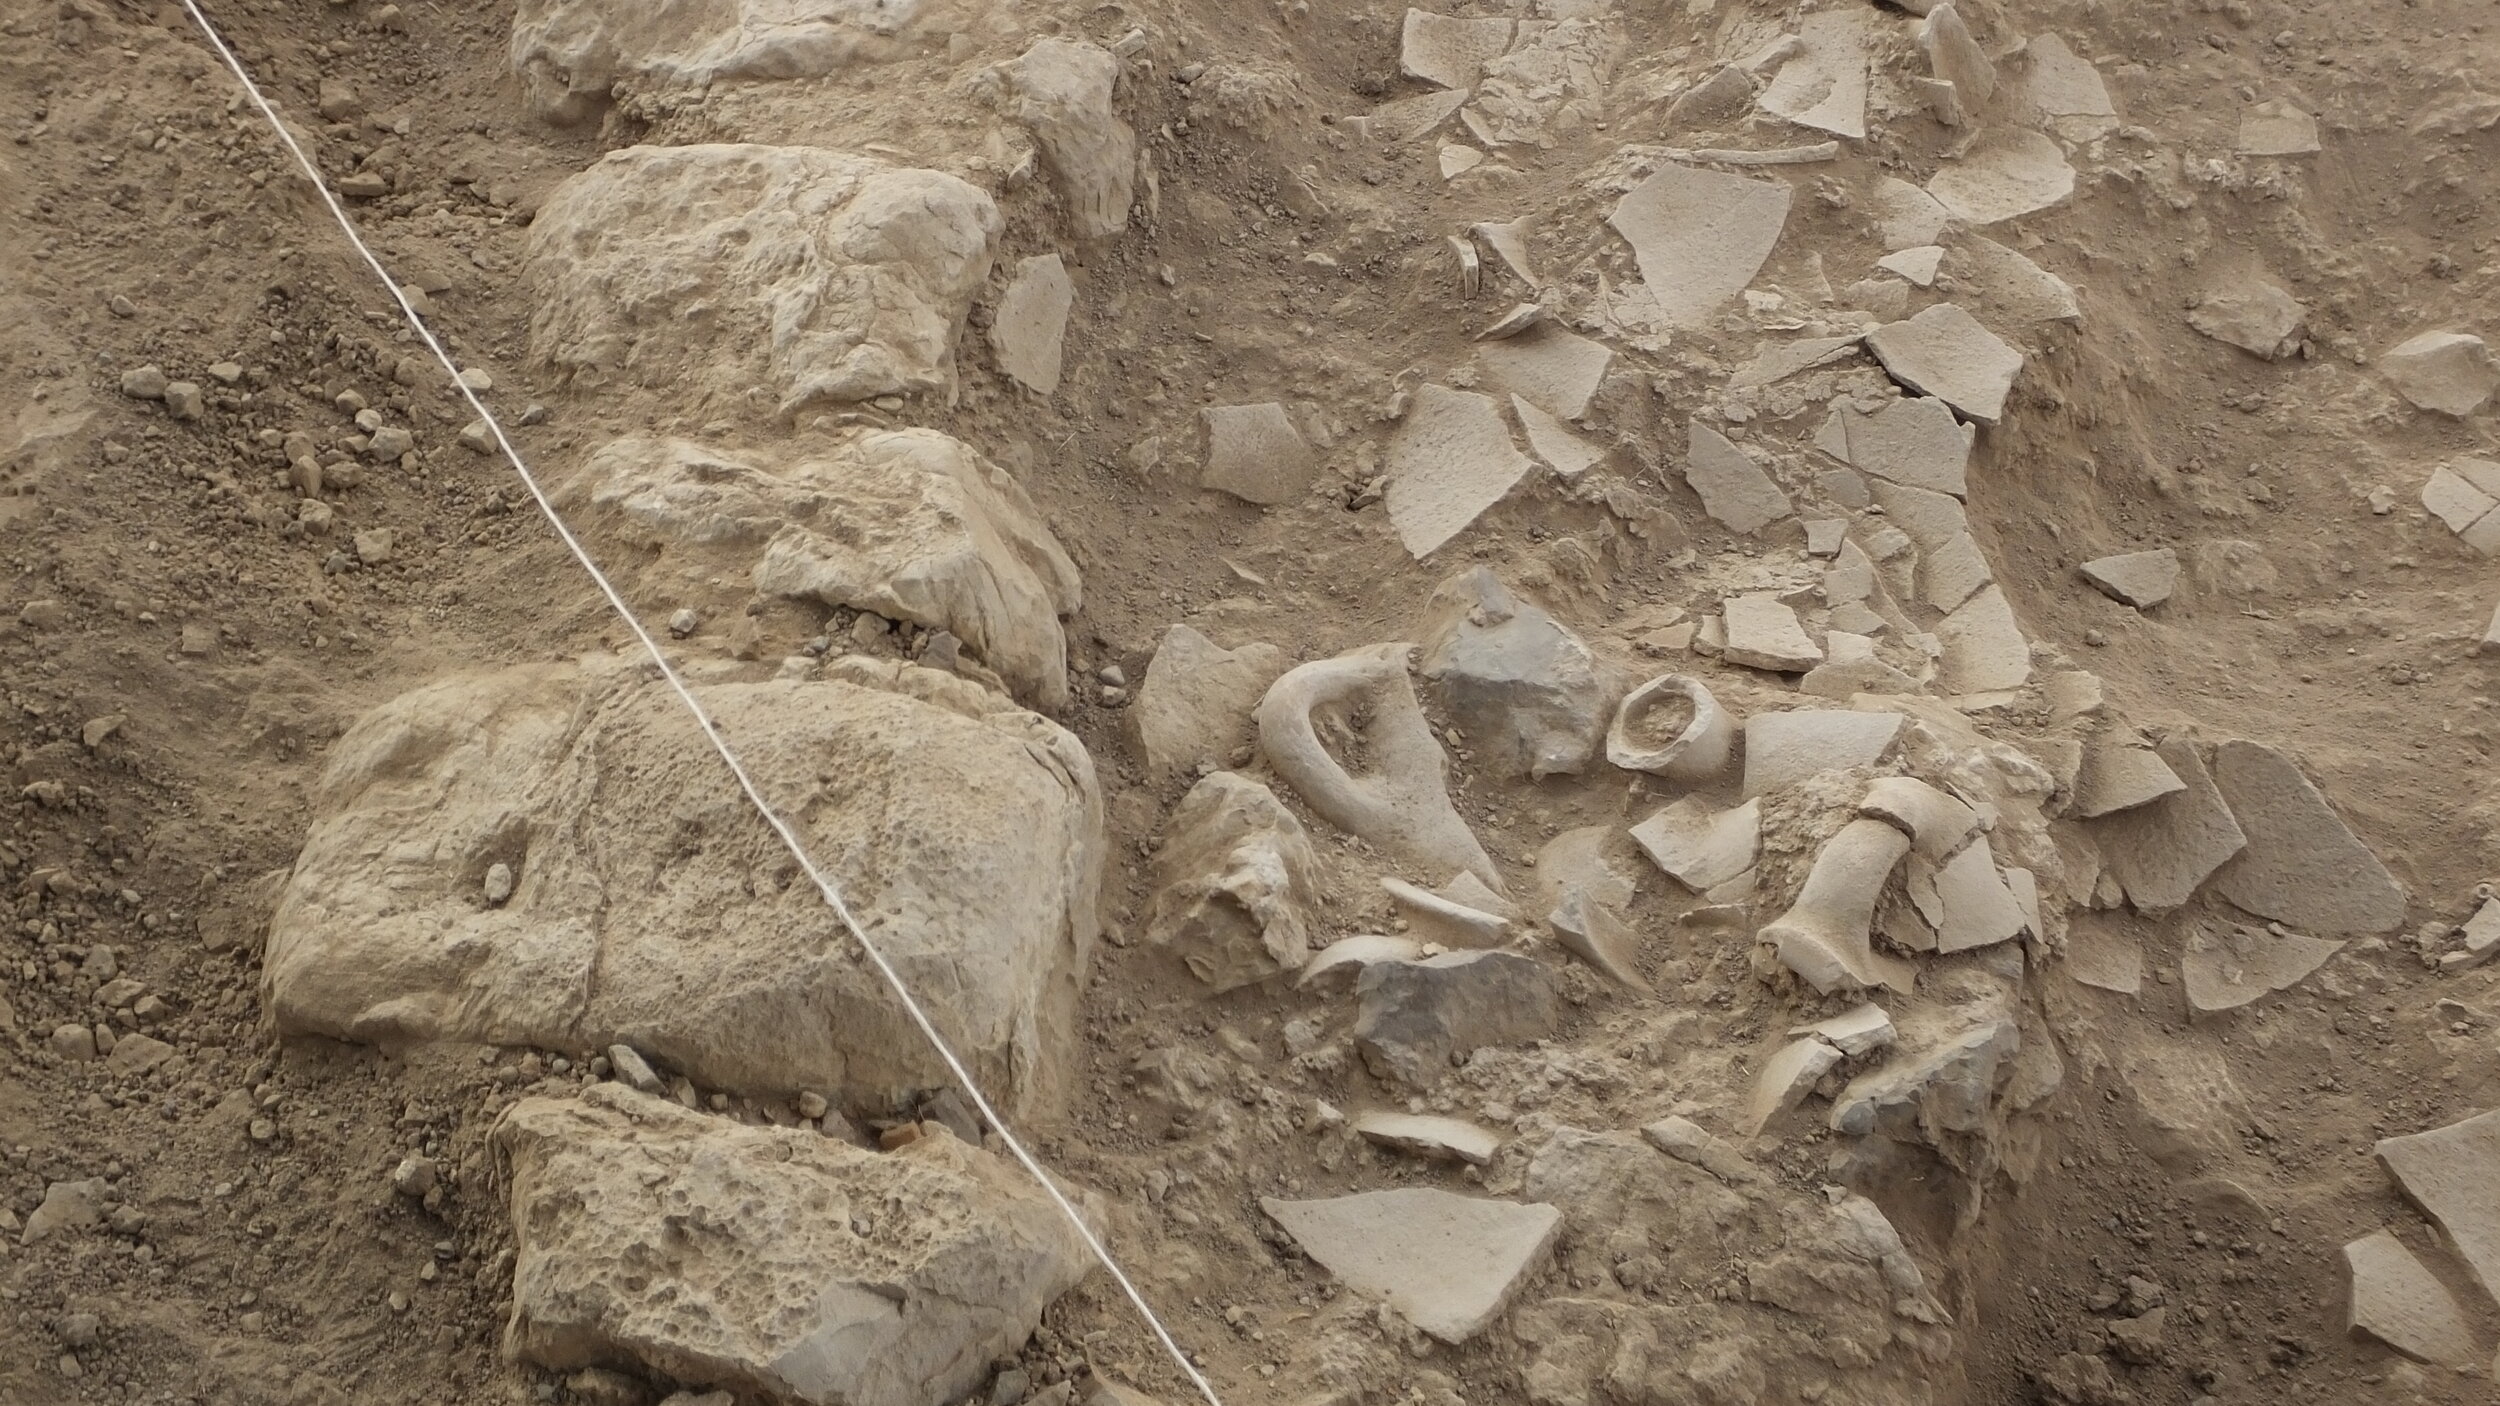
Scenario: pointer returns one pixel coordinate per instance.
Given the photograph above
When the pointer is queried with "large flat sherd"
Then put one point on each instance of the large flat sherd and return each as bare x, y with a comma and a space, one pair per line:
1784, 748
731, 1256
1946, 353
2389, 1296
1823, 85
1195, 703
2228, 969
2453, 1174
1732, 487
1448, 1263
1450, 459
1553, 441
1549, 366
2275, 127
1763, 633
2303, 866
1786, 1078
2008, 172
1699, 236
1979, 910
1984, 647
2117, 777
1029, 333
1915, 441
1450, 51
2161, 851
1699, 847
2140, 579
1443, 1139
1255, 454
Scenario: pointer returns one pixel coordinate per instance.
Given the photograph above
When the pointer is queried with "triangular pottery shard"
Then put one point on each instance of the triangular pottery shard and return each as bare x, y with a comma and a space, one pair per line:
1699, 236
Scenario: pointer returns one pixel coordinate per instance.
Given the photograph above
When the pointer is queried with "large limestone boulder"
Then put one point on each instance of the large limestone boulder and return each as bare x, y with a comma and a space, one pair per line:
573, 56
650, 906
912, 524
812, 274
774, 1262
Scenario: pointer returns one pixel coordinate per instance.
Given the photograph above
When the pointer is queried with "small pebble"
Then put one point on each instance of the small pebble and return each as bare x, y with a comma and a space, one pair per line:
144, 383
683, 623
498, 882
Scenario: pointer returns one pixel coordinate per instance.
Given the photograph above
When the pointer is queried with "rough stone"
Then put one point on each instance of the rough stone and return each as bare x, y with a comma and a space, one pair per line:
1196, 700
1442, 1139
1236, 884
1699, 237
2008, 172
2450, 372
2389, 1296
67, 1207
1733, 488
1061, 91
145, 383
2140, 579
575, 56
1699, 847
1716, 101
1028, 332
1948, 1086
714, 270
803, 1285
1416, 1017
1945, 352
2453, 1174
2228, 969
1448, 1264
2302, 866
1784, 748
1450, 52
1823, 84
909, 524
968, 832
1255, 454
1763, 633
1523, 688
1401, 803
1449, 460
2252, 314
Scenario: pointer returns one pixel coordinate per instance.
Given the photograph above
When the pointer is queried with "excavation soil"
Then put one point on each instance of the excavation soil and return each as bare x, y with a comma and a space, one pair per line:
176, 660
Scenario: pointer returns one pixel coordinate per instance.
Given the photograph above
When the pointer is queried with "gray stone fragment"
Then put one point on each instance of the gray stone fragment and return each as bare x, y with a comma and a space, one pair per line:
1784, 748
67, 1206
1449, 1264
2302, 866
1523, 688
1417, 1017
1028, 332
1948, 1088
2450, 372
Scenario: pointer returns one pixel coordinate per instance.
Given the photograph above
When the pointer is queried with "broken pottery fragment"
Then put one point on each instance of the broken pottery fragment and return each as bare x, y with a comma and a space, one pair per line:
2100, 954
1405, 119
1906, 216
1061, 91
1449, 460
1979, 909
1701, 848
1554, 368
2453, 1174
1823, 84
1699, 237
2008, 172
2118, 777
1449, 1264
1440, 1139
1508, 241
1984, 648
1915, 441
2007, 288
1938, 823
1195, 702
1687, 1141
1255, 454
1945, 352
1235, 884
1824, 936
1918, 264
1352, 954
1784, 748
1732, 487
2302, 866
2390, 1297
2140, 579
2277, 128
1786, 1078
1416, 1017
1401, 804
1555, 442
1591, 931
1715, 101
1671, 726
775, 1298
2062, 90
2463, 493
1523, 689
1450, 52
2252, 314
2226, 970
1447, 920
2450, 372
1959, 65
2160, 852
1854, 1031
1029, 330
1762, 632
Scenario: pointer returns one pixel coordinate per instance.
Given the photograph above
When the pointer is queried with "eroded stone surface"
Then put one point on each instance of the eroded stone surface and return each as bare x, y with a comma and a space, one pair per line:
574, 56
1236, 884
1418, 1016
2450, 372
1255, 454
716, 269
967, 832
1196, 701
1061, 91
787, 1275
1029, 333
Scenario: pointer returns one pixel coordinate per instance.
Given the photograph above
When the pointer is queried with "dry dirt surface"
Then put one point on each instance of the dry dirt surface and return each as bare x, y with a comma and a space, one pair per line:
1170, 499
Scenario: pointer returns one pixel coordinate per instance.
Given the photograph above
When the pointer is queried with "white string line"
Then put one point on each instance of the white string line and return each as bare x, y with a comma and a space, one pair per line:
703, 719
